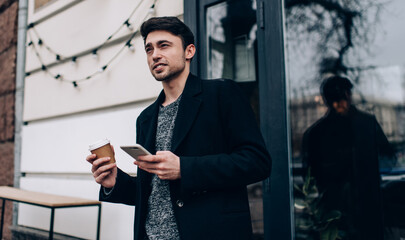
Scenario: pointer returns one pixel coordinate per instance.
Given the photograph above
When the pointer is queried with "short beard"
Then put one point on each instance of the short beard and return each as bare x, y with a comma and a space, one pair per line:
170, 75
167, 77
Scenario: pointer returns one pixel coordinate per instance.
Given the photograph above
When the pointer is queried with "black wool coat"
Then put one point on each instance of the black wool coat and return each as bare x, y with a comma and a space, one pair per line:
344, 154
221, 151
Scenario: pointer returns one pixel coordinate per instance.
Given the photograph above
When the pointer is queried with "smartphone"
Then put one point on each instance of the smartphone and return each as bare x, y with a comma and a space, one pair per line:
135, 151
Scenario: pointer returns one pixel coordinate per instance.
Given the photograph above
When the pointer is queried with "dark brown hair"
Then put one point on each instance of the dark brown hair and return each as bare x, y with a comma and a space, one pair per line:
170, 24
336, 88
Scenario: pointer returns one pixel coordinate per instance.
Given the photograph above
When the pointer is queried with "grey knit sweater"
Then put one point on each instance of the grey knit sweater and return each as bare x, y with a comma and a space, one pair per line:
160, 221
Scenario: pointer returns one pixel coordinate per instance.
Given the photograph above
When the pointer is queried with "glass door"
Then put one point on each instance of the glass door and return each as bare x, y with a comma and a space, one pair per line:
242, 40
230, 45
229, 50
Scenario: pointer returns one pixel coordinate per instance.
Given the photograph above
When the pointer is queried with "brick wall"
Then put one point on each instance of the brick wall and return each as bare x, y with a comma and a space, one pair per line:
8, 52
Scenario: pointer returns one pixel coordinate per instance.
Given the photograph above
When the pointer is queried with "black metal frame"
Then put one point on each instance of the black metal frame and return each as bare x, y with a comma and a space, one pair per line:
277, 194
277, 197
52, 220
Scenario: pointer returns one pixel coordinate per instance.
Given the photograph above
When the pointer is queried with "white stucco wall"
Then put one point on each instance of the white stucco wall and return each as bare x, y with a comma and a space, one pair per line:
82, 27
60, 145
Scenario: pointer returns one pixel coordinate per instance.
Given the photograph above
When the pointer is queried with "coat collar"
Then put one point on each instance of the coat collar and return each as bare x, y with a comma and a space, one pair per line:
188, 109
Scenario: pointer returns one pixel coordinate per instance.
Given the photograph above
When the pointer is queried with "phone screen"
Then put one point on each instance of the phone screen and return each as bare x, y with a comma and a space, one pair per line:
135, 151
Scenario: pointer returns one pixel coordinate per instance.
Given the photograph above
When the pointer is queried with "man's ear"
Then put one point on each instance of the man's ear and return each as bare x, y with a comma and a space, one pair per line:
190, 51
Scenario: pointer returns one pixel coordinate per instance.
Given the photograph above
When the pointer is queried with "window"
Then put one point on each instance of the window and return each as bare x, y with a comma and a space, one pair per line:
344, 163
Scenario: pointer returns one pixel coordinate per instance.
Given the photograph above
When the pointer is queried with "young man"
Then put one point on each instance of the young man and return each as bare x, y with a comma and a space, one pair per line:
206, 145
344, 151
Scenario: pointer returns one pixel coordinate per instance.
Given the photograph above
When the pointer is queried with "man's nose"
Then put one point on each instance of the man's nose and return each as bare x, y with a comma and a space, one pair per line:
156, 55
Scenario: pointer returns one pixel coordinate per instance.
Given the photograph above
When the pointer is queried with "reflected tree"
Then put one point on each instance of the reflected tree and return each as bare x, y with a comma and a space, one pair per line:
337, 27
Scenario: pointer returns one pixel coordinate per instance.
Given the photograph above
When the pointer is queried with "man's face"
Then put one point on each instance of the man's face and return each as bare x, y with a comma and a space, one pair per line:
165, 54
341, 107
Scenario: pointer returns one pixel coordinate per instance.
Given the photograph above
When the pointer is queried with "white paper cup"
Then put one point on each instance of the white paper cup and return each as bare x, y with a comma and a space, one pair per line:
102, 148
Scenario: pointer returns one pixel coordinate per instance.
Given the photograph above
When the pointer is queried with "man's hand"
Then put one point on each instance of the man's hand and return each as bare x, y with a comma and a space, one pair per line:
164, 164
103, 172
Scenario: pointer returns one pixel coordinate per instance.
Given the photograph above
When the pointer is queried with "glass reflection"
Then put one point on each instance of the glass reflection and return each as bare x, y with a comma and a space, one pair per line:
231, 38
341, 153
353, 170
232, 46
232, 54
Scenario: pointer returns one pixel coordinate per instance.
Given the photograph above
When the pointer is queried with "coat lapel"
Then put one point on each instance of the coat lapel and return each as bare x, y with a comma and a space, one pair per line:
188, 109
148, 127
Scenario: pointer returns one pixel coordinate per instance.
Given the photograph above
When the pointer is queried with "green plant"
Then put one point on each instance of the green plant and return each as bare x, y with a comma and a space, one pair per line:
315, 219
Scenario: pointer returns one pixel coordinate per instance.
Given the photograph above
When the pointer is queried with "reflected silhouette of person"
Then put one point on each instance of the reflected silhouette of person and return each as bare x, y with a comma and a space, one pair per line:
342, 150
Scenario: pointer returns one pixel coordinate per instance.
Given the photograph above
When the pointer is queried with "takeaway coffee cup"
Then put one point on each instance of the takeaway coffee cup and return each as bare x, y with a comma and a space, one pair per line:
102, 148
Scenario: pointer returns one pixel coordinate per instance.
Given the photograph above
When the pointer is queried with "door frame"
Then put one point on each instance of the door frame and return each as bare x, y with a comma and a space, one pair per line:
274, 115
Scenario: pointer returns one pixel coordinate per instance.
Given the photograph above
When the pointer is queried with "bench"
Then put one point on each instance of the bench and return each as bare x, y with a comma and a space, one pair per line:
45, 200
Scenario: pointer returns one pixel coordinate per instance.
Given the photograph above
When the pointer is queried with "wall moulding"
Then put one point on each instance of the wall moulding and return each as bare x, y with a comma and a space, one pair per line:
41, 12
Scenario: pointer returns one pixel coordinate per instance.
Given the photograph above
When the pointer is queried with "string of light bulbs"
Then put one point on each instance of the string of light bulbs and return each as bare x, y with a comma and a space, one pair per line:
59, 58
